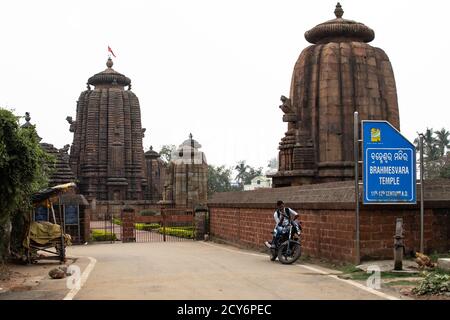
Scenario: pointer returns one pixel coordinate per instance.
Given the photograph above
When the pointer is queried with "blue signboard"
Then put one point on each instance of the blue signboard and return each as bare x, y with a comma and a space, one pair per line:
389, 173
71, 214
41, 214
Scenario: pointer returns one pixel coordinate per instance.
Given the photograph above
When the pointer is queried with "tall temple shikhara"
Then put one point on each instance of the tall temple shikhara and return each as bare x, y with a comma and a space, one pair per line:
336, 76
107, 156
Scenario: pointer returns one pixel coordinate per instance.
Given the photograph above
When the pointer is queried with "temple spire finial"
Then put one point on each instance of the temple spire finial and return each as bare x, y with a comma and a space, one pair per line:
190, 136
338, 11
109, 63
27, 123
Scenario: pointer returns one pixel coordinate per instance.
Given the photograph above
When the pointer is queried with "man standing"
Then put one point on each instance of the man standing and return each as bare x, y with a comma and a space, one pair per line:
282, 216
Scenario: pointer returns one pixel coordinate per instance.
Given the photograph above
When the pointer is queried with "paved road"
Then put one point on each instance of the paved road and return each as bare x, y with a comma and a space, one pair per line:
199, 270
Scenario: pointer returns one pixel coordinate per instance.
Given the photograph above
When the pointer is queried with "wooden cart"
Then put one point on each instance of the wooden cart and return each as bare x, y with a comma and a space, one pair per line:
44, 236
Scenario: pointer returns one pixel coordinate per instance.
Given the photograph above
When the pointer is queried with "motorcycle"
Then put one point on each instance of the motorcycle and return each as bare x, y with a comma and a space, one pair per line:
287, 249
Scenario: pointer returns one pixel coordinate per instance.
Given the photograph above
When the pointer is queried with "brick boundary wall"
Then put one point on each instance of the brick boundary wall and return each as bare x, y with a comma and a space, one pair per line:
328, 214
330, 233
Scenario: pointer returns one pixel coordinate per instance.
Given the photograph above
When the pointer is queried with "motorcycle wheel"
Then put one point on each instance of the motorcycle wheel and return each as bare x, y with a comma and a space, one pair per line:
291, 256
273, 255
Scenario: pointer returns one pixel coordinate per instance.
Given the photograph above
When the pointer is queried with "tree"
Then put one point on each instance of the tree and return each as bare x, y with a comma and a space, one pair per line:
218, 179
430, 150
442, 141
166, 152
435, 145
241, 168
273, 163
445, 170
252, 173
246, 173
23, 170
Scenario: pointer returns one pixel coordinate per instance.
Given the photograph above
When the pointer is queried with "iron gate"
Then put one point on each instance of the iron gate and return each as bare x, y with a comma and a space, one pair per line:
172, 224
106, 227
167, 225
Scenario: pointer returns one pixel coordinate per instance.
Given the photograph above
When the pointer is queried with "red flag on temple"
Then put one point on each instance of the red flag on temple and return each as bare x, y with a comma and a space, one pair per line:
110, 50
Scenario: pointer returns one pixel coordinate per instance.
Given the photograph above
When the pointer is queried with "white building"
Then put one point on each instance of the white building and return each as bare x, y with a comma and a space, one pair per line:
258, 183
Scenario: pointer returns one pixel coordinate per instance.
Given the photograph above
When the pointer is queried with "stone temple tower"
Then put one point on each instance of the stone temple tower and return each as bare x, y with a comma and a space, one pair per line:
107, 154
186, 179
337, 75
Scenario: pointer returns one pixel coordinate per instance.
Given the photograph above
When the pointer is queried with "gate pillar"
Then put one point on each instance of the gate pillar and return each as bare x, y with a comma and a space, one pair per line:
200, 222
128, 224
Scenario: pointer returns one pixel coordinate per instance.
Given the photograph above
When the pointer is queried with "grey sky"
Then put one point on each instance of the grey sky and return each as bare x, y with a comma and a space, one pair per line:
213, 68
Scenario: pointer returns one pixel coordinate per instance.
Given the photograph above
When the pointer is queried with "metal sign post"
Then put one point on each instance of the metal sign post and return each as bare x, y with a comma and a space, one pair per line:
356, 157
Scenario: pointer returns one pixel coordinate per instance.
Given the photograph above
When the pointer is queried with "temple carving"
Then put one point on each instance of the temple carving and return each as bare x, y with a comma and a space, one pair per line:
340, 73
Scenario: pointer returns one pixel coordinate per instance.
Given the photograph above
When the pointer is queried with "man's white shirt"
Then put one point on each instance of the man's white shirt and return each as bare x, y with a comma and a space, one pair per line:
285, 221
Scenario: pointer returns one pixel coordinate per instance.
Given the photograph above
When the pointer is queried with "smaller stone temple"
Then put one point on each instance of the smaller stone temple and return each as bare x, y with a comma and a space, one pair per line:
186, 181
340, 73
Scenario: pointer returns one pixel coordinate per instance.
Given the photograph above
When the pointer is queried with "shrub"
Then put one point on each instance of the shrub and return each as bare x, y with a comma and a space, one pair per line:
146, 226
178, 232
101, 235
434, 283
148, 212
117, 221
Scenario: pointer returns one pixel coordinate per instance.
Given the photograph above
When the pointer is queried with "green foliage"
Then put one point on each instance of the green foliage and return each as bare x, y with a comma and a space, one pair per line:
435, 282
436, 144
182, 232
24, 169
219, 179
102, 235
166, 152
117, 221
148, 212
147, 226
445, 170
442, 141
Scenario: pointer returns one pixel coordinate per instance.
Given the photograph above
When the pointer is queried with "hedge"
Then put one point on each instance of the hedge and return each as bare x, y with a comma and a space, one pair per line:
148, 212
147, 226
101, 235
178, 232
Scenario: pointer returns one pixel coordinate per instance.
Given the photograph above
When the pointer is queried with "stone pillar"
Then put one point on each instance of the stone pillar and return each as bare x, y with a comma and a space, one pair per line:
200, 222
128, 224
86, 223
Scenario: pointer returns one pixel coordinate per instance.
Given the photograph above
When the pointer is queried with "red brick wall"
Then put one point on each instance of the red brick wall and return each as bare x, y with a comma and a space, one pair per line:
330, 234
